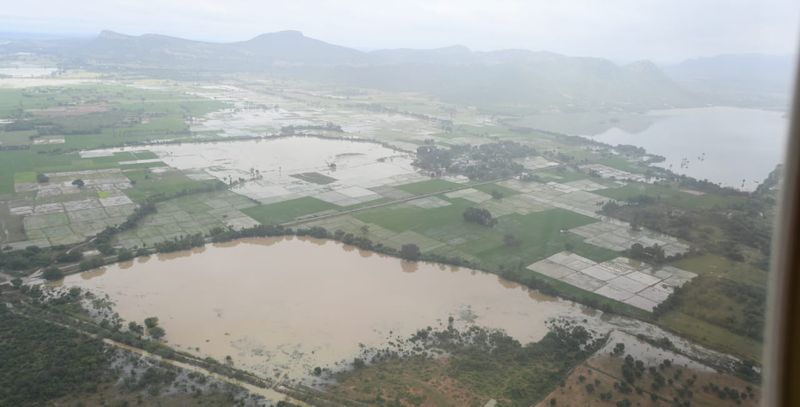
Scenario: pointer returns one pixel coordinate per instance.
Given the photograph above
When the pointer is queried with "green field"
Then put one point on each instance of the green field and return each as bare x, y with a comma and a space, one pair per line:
720, 267
712, 335
671, 195
97, 115
723, 307
561, 175
22, 166
286, 211
540, 234
490, 188
147, 183
400, 218
428, 186
28, 162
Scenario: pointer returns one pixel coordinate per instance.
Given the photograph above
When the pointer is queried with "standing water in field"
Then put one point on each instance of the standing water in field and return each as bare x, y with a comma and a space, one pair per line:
288, 305
280, 307
272, 170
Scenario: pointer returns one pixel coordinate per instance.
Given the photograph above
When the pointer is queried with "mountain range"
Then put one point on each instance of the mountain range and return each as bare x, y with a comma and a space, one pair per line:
512, 77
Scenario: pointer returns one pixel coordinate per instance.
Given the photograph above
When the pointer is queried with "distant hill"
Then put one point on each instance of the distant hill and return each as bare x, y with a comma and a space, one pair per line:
741, 79
292, 47
542, 80
504, 78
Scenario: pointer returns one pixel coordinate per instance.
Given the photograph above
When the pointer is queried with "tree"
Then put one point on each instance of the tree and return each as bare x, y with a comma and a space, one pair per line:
135, 328
510, 240
70, 257
106, 248
480, 216
151, 322
124, 255
619, 349
42, 178
636, 251
496, 194
78, 183
410, 252
90, 263
52, 274
156, 332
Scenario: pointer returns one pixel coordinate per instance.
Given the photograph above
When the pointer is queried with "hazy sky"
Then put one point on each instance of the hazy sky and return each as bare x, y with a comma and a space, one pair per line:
661, 30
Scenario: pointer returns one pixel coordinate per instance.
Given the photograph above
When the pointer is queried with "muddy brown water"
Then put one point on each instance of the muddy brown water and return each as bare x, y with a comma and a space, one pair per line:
282, 306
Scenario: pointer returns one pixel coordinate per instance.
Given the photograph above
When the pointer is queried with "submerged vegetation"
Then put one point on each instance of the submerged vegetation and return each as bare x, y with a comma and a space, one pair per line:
449, 366
56, 352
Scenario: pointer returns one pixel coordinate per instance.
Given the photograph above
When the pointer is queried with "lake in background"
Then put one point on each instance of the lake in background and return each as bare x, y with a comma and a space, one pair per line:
733, 146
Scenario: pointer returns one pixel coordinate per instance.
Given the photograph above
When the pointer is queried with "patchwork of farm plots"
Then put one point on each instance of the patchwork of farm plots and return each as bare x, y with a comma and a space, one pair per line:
256, 113
617, 235
543, 218
59, 212
353, 185
199, 213
360, 188
621, 279
275, 170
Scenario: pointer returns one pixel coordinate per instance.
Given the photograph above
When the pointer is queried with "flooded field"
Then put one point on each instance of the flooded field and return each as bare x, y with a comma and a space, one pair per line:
288, 305
336, 171
280, 307
19, 71
267, 107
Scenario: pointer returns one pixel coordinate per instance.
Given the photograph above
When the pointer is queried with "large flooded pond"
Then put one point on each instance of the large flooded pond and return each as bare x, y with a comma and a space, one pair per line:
288, 305
282, 306
727, 145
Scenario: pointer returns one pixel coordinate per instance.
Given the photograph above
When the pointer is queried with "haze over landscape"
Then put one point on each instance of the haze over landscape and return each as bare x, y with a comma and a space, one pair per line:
358, 203
619, 29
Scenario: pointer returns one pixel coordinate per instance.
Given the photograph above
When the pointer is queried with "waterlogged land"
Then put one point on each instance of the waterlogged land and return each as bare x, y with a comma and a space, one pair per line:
104, 171
282, 307
272, 308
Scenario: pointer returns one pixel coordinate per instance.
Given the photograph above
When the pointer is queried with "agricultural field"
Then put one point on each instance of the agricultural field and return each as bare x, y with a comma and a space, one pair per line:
112, 167
97, 114
671, 195
369, 190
